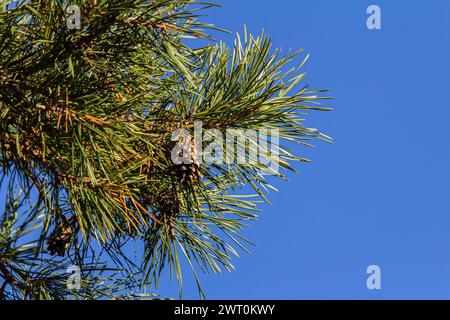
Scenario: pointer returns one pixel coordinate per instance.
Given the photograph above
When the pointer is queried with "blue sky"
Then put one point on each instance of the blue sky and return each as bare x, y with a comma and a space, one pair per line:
381, 194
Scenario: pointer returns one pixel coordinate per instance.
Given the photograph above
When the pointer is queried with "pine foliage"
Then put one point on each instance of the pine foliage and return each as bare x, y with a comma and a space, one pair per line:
86, 123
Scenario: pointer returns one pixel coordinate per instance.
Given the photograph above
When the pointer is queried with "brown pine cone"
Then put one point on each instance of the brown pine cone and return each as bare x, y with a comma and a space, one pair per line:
60, 239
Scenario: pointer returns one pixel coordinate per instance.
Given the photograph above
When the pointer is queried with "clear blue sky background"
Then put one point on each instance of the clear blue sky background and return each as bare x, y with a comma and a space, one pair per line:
380, 194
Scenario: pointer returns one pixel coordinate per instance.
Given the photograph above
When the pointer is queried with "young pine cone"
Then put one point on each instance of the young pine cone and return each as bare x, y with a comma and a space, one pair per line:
189, 170
60, 238
169, 211
188, 173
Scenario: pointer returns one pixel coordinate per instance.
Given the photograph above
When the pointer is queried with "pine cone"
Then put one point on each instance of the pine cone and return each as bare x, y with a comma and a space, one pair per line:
60, 239
168, 209
189, 171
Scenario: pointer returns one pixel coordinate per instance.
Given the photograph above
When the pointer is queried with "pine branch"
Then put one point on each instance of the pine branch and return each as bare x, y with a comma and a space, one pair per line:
87, 119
